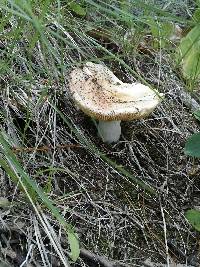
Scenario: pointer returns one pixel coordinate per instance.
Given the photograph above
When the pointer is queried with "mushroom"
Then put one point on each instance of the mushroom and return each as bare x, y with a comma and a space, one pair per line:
101, 95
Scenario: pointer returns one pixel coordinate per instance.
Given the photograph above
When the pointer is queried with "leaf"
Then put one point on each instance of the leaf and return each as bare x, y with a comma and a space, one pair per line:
161, 31
76, 8
4, 202
4, 67
196, 15
74, 246
192, 146
189, 54
197, 115
124, 5
193, 217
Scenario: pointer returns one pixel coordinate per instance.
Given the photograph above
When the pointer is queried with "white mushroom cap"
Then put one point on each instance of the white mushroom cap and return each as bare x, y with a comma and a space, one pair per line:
101, 95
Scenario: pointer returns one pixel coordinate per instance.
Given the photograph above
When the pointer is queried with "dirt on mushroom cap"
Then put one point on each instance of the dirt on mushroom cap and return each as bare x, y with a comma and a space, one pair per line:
100, 94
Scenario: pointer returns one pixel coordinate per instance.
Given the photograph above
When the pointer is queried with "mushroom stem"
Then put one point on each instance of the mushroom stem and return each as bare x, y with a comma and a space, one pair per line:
109, 131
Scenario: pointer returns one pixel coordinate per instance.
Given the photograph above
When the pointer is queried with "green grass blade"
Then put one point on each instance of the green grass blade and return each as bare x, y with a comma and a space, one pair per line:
31, 186
94, 150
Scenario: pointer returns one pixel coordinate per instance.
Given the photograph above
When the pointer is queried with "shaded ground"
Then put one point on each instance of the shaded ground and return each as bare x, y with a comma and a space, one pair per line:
112, 215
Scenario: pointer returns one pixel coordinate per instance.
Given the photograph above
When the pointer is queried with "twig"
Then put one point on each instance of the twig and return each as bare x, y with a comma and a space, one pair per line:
165, 234
188, 100
101, 260
25, 262
42, 148
95, 258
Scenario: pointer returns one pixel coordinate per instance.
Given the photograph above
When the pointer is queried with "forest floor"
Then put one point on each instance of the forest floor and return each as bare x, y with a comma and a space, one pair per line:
128, 210
113, 216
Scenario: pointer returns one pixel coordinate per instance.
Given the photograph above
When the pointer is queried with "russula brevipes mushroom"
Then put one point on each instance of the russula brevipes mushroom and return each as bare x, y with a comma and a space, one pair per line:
101, 95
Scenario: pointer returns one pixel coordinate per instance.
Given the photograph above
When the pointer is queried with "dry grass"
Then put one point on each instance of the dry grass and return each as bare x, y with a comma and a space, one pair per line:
113, 216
